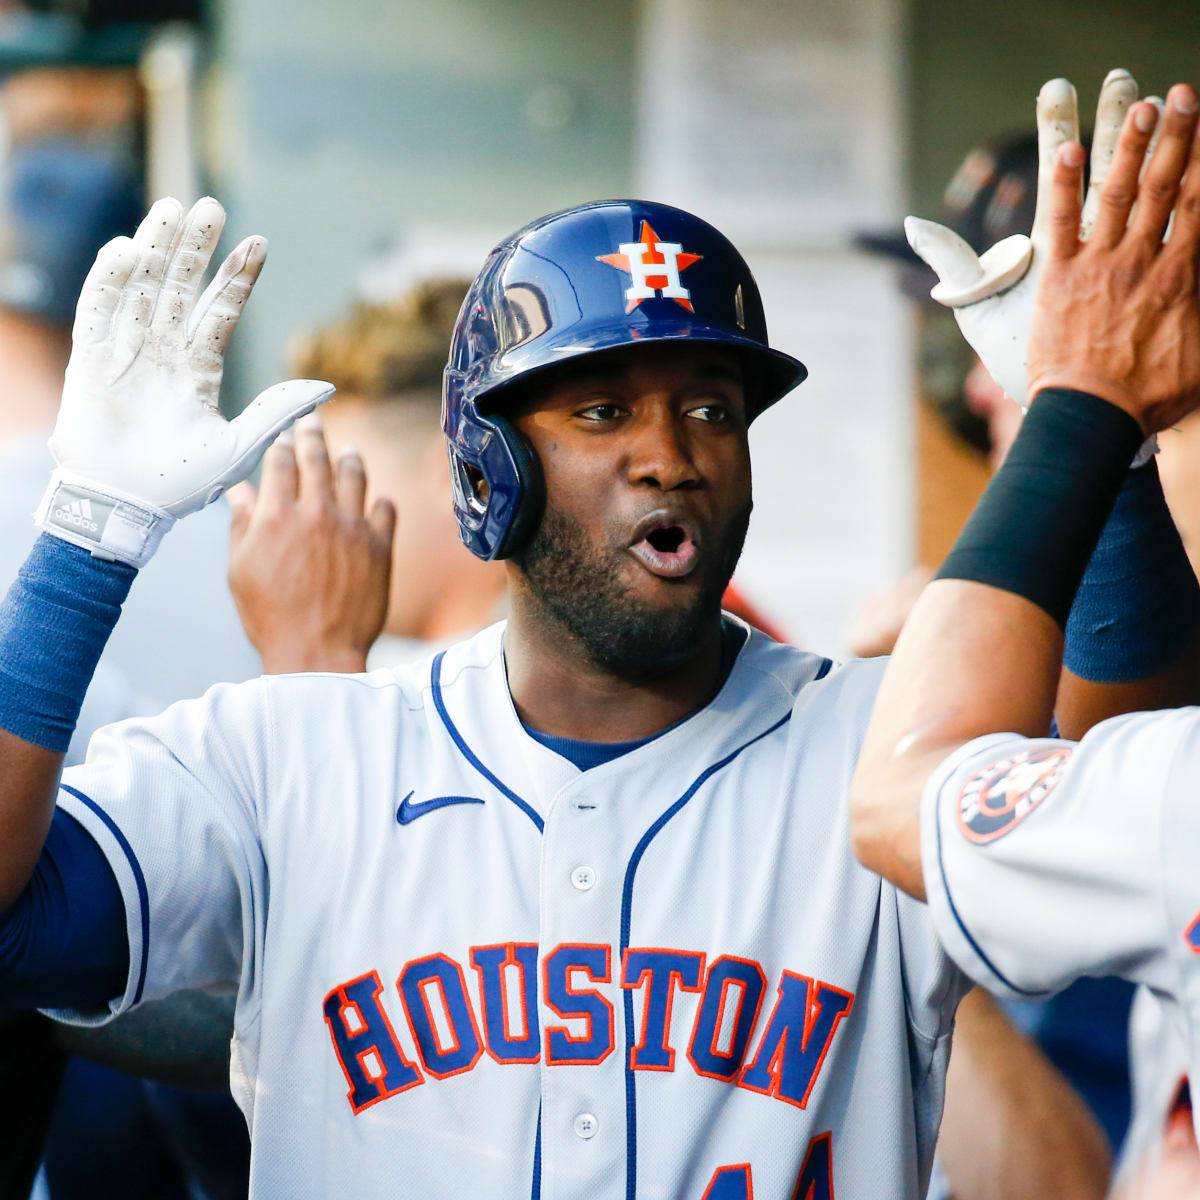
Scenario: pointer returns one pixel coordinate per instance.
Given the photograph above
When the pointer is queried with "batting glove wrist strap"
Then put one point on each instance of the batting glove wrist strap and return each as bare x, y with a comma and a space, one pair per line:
111, 525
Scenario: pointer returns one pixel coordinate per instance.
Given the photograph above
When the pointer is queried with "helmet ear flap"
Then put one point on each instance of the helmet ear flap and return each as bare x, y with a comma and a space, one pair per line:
528, 512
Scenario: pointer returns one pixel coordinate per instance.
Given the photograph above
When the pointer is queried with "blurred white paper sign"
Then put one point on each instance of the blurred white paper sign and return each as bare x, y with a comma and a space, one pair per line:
778, 120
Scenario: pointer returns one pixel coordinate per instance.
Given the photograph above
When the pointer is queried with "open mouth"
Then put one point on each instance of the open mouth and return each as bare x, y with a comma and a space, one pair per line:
665, 548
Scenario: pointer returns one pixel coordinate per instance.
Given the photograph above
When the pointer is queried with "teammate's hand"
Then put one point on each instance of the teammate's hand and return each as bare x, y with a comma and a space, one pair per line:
1118, 315
139, 439
993, 297
308, 568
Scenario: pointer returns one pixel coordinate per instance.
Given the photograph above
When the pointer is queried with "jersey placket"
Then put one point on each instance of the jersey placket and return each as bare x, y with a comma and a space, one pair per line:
583, 1128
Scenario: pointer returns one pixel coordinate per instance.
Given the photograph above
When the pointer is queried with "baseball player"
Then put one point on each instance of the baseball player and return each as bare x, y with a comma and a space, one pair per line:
1042, 859
464, 962
60, 199
569, 909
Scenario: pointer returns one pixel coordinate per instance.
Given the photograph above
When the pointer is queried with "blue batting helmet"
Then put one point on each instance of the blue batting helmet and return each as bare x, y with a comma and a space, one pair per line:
607, 274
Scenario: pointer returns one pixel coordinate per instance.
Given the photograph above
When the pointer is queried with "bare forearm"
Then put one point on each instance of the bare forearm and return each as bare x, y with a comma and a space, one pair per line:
1083, 703
982, 651
28, 786
1038, 1139
976, 658
971, 659
969, 653
55, 621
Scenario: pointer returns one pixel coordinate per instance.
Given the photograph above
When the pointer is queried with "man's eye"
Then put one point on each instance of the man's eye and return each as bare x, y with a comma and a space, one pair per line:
717, 414
601, 412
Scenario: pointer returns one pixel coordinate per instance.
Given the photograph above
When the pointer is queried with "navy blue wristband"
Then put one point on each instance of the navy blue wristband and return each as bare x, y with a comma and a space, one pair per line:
54, 625
1138, 606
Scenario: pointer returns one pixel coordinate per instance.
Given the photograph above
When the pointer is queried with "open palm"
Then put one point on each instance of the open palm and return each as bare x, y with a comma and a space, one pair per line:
139, 415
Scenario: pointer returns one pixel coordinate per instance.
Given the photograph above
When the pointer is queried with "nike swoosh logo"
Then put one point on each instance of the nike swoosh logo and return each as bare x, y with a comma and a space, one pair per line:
408, 812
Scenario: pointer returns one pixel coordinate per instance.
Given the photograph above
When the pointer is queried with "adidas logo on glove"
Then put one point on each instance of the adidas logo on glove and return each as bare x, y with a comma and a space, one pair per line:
82, 518
77, 513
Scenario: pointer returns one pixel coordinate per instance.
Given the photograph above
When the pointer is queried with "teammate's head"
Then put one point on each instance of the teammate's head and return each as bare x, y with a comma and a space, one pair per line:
62, 201
388, 357
991, 196
386, 360
605, 366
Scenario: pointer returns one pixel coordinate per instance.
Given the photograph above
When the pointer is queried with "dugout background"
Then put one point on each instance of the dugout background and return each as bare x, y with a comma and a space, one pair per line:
378, 139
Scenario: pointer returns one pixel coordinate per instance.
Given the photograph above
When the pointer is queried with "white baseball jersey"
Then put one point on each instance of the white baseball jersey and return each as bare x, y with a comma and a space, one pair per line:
1047, 860
466, 968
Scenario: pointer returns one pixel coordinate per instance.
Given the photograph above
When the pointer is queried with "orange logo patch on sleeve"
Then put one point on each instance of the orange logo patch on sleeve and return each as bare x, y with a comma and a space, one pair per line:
998, 797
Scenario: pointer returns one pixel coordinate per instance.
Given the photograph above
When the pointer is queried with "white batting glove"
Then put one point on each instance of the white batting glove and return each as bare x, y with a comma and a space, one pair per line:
139, 439
993, 296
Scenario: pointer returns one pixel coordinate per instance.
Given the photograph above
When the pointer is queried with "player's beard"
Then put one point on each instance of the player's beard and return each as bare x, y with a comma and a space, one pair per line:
578, 587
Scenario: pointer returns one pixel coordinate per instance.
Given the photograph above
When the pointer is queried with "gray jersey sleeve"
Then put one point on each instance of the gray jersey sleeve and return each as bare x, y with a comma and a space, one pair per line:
1047, 860
175, 802
1158, 1061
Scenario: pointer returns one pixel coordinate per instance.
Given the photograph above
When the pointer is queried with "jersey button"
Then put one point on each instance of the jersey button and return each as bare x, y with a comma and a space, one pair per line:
586, 1126
583, 878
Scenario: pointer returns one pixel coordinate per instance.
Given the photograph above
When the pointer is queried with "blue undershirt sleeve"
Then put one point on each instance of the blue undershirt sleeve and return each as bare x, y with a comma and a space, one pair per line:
64, 944
1138, 607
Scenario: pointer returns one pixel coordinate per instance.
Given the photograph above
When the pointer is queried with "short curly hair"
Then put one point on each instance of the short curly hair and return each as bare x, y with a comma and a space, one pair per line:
381, 351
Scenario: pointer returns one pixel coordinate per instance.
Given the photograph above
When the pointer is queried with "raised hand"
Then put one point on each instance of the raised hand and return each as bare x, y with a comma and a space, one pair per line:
1118, 314
993, 296
139, 439
308, 566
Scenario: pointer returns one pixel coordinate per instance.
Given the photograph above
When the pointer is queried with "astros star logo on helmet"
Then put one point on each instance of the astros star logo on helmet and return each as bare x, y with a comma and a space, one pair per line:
655, 266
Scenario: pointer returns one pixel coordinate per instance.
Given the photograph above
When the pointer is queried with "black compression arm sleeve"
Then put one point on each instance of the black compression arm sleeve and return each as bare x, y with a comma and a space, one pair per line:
1041, 516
